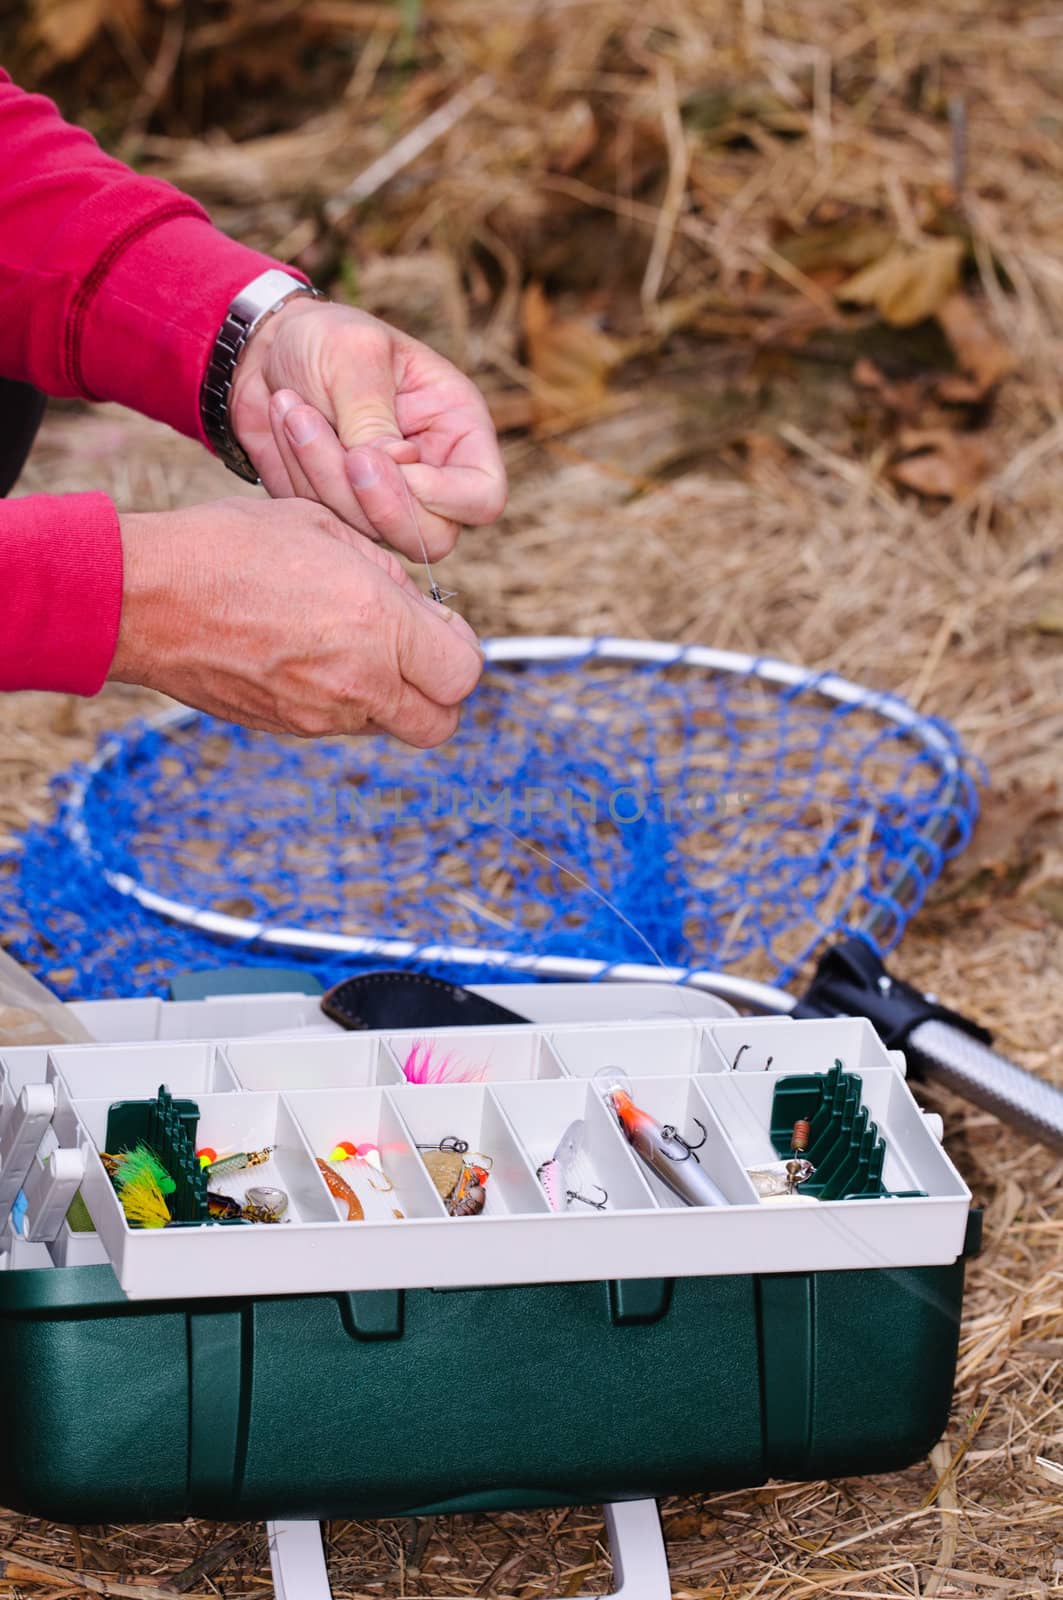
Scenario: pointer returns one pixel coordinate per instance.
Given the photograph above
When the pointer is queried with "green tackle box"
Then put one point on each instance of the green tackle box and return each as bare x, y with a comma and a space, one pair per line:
433, 1363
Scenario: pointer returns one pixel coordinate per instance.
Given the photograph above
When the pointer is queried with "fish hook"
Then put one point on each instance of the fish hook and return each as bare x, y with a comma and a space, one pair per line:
688, 1149
598, 1205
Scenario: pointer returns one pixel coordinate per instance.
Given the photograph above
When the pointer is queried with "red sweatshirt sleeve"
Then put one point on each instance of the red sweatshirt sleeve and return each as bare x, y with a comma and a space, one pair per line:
60, 591
112, 287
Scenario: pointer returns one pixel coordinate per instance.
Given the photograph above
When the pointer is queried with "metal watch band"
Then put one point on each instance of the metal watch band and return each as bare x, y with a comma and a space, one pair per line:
254, 305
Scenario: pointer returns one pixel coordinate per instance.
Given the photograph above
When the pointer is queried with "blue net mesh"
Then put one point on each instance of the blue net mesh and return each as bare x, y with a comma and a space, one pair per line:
732, 823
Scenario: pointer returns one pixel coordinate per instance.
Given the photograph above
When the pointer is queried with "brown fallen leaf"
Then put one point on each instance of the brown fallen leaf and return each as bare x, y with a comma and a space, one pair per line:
984, 358
908, 283
940, 464
1018, 825
572, 358
847, 244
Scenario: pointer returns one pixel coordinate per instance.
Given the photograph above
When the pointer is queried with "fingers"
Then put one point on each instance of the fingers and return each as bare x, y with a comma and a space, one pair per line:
365, 487
392, 568
476, 495
434, 657
314, 459
383, 492
432, 664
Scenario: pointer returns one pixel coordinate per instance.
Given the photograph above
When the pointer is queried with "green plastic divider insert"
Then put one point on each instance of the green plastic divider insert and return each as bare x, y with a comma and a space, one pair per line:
168, 1128
844, 1144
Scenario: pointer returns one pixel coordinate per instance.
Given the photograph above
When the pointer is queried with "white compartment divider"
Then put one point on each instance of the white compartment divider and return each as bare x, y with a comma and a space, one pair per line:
307, 1094
473, 1055
341, 1061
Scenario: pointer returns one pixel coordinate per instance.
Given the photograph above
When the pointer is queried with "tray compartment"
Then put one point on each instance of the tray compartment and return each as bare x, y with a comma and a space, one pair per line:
668, 1049
227, 1123
346, 1061
807, 1045
540, 1115
472, 1112
914, 1159
134, 1072
473, 1055
368, 1116
682, 1102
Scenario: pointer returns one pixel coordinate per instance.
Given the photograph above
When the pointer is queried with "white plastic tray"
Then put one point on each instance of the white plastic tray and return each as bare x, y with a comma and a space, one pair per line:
308, 1092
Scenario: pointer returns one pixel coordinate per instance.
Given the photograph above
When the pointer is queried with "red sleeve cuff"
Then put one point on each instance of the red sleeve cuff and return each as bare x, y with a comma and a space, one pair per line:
60, 592
147, 330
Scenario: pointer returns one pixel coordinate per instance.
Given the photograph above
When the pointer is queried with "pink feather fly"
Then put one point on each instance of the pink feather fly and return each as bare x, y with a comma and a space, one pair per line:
424, 1065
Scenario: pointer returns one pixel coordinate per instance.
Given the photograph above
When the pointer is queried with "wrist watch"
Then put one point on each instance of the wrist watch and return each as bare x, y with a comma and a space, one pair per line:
254, 305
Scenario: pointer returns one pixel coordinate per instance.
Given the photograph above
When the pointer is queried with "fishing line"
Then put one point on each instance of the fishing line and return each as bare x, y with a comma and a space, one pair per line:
604, 900
437, 594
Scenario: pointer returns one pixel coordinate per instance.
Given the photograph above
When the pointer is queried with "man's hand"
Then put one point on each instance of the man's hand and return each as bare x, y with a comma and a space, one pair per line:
330, 403
272, 615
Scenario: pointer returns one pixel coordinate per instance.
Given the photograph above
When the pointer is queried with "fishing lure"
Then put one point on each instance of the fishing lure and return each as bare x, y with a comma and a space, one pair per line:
470, 1195
222, 1207
423, 1065
560, 1176
264, 1205
668, 1155
142, 1184
780, 1177
144, 1202
461, 1184
367, 1156
341, 1190
238, 1162
445, 1164
130, 1165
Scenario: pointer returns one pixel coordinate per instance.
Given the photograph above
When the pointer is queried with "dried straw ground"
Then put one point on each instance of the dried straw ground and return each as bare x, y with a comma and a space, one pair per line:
727, 483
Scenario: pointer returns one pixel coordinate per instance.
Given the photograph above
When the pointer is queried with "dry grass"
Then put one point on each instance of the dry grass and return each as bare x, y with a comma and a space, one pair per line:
703, 467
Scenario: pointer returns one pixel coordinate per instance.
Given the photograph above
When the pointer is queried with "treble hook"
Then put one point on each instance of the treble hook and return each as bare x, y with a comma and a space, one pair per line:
688, 1149
598, 1205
